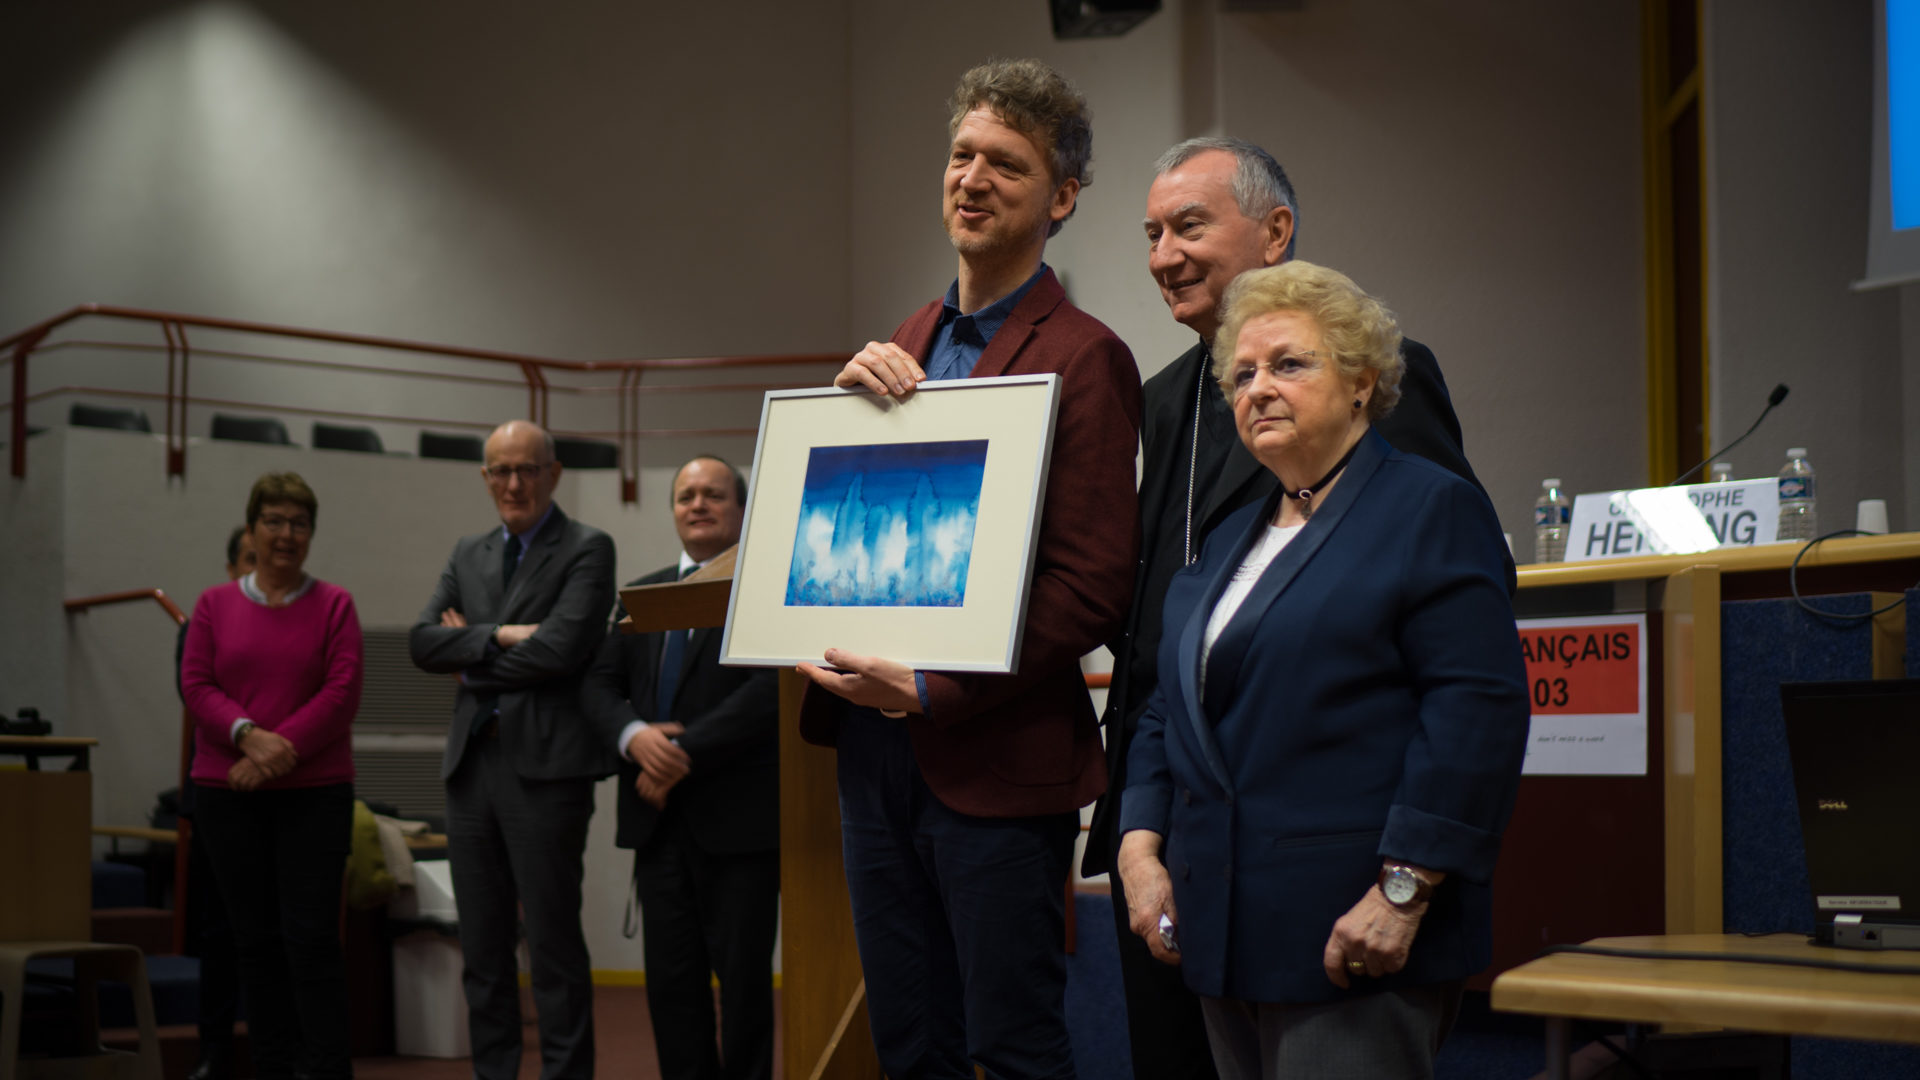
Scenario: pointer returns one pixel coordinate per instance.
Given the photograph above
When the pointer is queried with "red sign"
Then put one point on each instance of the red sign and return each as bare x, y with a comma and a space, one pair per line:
1585, 667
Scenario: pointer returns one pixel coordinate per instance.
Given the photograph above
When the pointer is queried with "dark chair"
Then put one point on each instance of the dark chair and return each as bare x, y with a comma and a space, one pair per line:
586, 453
362, 440
80, 414
433, 444
254, 429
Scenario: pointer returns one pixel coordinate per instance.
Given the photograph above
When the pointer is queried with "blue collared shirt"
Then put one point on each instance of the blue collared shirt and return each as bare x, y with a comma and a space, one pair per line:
960, 340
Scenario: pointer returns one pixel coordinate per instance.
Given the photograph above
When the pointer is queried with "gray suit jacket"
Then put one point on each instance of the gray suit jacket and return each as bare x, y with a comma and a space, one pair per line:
564, 583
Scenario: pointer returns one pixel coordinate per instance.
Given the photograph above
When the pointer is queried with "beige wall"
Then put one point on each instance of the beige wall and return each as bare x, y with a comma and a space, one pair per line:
1787, 173
596, 182
601, 180
1477, 164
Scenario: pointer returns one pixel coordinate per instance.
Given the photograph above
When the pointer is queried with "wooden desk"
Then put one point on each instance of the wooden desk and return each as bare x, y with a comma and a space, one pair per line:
1751, 997
1657, 839
45, 842
35, 747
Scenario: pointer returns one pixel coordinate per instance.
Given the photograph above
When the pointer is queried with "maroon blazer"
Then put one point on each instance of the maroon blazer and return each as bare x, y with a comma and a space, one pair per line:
1029, 743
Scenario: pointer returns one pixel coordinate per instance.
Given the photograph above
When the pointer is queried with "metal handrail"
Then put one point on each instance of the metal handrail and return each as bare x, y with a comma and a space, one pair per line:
533, 370
81, 604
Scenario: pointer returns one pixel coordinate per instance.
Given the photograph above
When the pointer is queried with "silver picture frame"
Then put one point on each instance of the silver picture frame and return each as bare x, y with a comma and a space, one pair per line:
804, 581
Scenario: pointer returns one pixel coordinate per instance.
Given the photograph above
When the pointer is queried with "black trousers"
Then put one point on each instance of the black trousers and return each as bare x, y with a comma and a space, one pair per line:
705, 914
210, 938
1165, 1027
279, 857
519, 844
961, 920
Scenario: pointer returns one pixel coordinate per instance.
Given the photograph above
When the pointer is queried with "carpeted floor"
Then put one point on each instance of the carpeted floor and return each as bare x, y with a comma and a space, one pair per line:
1483, 1046
622, 1035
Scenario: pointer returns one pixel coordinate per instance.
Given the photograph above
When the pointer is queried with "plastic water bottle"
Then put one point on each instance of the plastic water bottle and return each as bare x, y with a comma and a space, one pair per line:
1722, 473
1798, 520
1552, 513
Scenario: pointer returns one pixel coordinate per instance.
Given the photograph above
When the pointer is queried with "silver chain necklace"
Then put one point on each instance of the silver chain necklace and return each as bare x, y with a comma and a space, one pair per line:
1193, 456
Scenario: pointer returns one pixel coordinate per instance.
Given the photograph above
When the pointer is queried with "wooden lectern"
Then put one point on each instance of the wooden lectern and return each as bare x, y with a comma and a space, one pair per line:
824, 1015
46, 855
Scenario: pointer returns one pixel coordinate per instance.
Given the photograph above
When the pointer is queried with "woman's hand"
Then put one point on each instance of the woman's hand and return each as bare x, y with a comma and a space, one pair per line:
868, 680
1372, 933
1149, 890
245, 776
270, 751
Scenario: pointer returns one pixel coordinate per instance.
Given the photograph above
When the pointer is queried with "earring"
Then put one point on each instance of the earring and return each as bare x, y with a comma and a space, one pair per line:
1356, 403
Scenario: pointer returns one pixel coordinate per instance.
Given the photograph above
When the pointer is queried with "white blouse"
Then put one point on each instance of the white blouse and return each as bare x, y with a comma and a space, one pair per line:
1245, 576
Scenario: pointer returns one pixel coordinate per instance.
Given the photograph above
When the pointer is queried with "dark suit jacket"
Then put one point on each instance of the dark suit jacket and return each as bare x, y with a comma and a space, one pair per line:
1367, 699
731, 799
1422, 423
564, 583
1027, 743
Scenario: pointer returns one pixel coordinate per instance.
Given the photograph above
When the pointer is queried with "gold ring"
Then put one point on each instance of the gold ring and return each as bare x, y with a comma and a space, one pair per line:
1358, 967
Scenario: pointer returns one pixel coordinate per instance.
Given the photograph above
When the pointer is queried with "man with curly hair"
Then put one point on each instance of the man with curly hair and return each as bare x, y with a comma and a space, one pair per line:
960, 793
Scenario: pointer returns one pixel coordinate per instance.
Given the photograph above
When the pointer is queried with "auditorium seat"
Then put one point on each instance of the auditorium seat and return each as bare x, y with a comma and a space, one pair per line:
254, 429
362, 440
586, 453
80, 414
434, 444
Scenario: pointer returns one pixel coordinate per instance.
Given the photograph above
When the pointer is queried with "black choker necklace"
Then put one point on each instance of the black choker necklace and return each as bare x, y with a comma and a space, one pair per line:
1306, 494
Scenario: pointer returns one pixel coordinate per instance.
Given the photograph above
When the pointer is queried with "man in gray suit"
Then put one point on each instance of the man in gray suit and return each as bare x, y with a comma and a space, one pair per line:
517, 615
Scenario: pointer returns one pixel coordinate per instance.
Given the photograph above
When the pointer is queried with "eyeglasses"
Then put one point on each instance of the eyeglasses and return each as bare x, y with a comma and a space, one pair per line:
1289, 367
274, 523
504, 474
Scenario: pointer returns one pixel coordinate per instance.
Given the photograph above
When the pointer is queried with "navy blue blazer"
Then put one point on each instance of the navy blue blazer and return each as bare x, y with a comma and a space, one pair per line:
1368, 699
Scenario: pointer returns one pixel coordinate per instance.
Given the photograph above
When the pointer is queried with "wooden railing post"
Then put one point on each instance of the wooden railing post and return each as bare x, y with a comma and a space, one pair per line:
177, 400
17, 417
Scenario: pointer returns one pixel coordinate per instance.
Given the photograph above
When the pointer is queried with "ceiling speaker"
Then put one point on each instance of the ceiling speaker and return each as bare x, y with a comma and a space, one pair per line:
1098, 18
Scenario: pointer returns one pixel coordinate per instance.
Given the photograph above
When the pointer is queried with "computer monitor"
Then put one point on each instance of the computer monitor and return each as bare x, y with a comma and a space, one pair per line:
1854, 748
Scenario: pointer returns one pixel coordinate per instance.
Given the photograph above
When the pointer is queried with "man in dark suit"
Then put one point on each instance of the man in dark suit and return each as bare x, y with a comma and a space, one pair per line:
960, 793
517, 615
699, 806
1218, 207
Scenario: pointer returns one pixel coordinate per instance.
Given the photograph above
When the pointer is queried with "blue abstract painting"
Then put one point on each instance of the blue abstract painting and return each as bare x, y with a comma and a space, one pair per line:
887, 525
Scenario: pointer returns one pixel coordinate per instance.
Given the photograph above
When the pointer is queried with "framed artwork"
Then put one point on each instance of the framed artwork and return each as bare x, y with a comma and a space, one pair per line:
902, 529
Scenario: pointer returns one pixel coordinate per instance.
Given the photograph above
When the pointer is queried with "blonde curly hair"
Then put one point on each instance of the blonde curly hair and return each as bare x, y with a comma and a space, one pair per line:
1359, 330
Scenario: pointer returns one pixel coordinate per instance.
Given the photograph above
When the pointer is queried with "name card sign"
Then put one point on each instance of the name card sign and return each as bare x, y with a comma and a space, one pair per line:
1587, 682
1674, 520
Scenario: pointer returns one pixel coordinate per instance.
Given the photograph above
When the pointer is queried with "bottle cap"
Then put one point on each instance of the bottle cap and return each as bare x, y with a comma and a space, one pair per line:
1550, 482
1796, 451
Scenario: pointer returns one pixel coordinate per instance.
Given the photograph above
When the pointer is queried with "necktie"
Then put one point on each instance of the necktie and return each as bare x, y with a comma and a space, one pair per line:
673, 654
510, 561
489, 704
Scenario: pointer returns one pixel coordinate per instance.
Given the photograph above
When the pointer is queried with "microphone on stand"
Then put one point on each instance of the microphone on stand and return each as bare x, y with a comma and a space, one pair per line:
1779, 395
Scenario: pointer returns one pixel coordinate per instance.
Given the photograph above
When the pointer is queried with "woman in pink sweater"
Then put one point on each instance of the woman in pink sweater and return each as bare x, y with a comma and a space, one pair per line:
271, 670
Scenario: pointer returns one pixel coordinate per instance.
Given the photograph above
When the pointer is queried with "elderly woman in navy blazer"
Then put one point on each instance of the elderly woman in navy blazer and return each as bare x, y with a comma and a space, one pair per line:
1317, 791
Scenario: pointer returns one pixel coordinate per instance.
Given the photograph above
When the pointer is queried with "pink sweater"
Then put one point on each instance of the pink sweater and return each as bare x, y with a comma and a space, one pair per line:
294, 670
